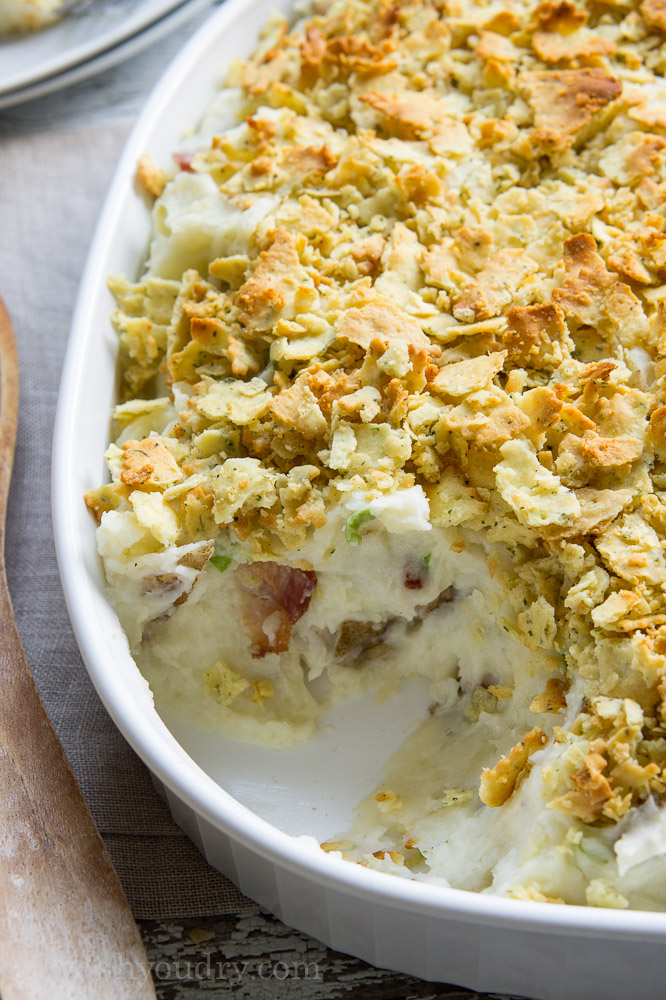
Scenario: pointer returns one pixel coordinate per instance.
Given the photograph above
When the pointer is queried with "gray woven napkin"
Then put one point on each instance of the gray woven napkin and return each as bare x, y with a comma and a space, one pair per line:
51, 188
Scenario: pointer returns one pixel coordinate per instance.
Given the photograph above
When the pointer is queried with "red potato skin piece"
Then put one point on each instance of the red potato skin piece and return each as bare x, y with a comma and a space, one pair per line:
270, 589
184, 162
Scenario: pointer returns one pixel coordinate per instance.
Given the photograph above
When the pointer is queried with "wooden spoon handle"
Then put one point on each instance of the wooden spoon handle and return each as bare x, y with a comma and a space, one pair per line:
66, 929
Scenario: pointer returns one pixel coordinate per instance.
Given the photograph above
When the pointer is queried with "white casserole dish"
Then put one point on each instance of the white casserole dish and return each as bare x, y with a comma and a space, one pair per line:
246, 806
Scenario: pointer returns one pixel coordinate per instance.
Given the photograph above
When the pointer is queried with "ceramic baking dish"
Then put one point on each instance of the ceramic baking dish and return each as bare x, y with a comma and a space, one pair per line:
258, 814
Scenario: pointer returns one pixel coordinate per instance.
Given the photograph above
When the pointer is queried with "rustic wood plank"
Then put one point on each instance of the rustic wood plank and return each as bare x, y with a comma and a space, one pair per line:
257, 957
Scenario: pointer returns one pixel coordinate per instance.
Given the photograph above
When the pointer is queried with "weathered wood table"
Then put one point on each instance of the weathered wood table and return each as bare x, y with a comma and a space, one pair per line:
255, 957
247, 954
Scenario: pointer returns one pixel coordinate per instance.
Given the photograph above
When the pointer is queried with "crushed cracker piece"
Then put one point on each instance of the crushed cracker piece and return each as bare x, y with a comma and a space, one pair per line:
150, 176
499, 782
565, 102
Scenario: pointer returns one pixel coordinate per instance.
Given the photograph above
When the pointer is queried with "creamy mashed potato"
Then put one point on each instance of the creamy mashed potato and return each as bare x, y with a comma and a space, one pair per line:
395, 406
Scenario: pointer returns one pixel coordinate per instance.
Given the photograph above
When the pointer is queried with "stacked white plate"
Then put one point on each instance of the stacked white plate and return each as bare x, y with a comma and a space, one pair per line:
81, 45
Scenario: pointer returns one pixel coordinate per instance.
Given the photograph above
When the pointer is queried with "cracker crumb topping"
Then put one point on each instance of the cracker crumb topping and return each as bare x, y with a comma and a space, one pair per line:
437, 259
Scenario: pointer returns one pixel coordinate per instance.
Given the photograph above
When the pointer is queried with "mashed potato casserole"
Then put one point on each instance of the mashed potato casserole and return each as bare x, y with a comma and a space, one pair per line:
394, 406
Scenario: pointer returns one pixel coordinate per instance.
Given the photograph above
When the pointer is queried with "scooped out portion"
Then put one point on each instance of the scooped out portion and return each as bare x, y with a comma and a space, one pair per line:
394, 407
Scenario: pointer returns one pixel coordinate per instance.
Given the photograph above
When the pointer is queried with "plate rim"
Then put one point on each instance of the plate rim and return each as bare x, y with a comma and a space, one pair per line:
83, 51
109, 58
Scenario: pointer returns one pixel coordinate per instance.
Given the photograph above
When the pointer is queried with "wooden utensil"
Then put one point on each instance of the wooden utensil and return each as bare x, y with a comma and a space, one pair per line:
66, 929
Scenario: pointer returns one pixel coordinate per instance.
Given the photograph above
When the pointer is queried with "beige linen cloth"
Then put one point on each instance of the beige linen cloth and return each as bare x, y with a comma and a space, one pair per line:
51, 187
